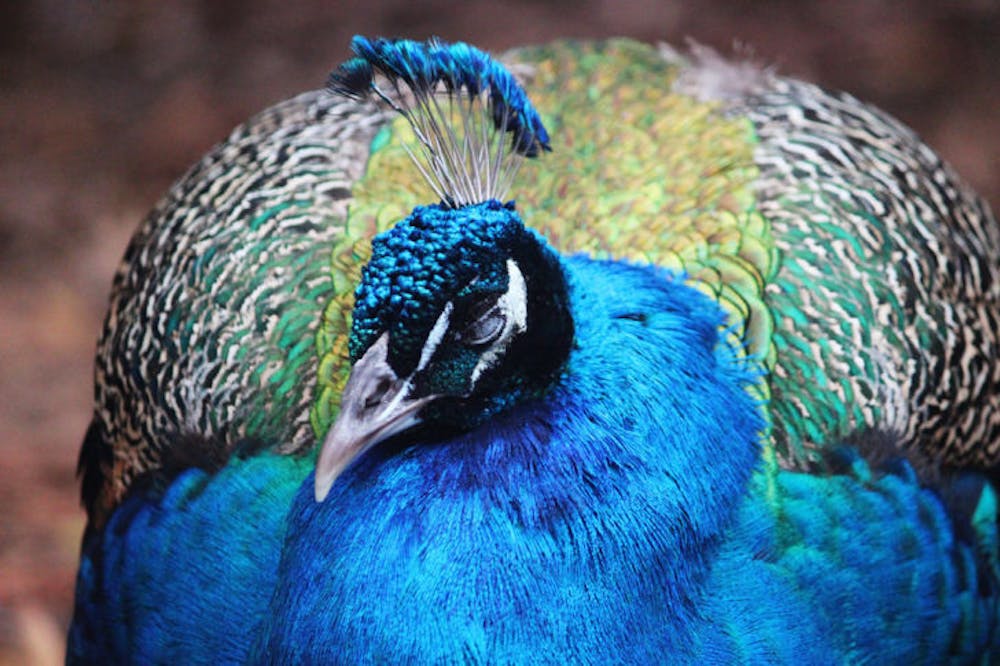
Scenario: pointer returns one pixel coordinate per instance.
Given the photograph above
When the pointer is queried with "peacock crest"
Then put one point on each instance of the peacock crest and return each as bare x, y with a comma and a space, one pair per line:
461, 104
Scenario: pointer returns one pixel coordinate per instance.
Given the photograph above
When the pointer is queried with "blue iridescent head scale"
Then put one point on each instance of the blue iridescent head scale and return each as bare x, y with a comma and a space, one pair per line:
461, 311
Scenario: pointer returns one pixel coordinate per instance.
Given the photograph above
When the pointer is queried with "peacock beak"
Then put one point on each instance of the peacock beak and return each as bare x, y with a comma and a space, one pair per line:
376, 404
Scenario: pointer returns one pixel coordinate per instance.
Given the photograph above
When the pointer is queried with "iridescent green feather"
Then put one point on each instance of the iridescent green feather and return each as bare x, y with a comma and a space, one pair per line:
854, 264
636, 173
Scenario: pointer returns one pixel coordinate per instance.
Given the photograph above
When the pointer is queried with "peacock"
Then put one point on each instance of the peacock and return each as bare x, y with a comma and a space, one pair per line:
676, 360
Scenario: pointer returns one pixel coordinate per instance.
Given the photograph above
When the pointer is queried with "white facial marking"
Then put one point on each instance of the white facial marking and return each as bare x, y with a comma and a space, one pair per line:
514, 305
435, 336
516, 298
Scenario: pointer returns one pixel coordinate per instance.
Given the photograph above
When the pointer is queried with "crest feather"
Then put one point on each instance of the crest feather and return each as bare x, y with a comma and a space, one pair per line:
461, 104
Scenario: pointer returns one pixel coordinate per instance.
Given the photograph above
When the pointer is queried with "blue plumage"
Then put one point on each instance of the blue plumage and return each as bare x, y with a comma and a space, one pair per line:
538, 458
556, 532
854, 567
181, 575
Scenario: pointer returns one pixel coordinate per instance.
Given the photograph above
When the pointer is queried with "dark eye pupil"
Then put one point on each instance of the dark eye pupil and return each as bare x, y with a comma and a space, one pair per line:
484, 329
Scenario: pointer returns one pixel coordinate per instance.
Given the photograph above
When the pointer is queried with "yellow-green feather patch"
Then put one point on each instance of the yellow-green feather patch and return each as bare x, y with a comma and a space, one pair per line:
636, 172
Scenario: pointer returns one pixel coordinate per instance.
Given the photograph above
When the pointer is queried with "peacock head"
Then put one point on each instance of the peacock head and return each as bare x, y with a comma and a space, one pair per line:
462, 311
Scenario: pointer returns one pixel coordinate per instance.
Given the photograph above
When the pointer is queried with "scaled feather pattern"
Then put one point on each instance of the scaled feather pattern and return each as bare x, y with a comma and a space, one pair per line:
720, 385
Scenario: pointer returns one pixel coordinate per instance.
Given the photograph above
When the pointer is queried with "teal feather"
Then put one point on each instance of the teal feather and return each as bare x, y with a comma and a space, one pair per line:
146, 594
541, 455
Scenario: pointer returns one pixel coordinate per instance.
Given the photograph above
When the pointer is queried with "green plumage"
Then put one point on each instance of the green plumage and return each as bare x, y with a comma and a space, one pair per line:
549, 446
855, 266
213, 316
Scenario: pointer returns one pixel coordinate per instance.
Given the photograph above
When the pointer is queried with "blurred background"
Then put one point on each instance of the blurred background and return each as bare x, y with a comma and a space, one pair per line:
103, 103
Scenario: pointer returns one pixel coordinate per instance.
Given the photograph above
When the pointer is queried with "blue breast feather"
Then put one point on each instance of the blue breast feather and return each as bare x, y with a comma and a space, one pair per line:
181, 576
623, 517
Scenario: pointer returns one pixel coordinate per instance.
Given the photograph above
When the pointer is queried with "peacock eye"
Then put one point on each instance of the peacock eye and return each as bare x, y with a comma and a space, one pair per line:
486, 327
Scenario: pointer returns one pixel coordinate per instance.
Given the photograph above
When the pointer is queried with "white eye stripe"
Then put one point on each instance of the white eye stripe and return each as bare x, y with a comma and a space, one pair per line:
435, 336
514, 305
516, 298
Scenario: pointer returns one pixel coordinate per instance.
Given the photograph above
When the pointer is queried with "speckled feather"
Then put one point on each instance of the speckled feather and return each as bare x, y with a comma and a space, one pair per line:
869, 289
767, 193
212, 320
624, 513
888, 295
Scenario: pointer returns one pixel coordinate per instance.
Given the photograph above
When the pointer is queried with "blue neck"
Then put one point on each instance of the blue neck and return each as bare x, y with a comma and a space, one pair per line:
609, 492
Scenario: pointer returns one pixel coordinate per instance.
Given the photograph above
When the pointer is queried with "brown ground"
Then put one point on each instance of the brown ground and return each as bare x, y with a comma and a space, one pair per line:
105, 103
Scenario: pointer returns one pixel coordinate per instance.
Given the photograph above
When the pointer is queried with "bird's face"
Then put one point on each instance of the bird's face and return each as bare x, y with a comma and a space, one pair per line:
460, 314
